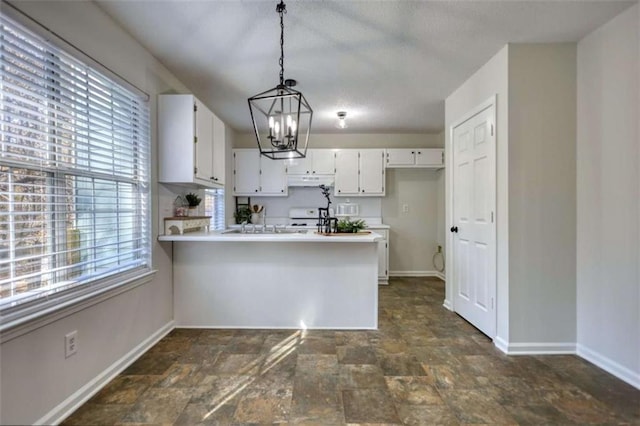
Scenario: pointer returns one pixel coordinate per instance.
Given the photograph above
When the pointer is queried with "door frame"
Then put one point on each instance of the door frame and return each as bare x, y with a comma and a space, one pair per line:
449, 301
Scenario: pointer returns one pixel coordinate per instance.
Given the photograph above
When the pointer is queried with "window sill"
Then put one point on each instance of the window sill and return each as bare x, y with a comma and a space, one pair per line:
19, 323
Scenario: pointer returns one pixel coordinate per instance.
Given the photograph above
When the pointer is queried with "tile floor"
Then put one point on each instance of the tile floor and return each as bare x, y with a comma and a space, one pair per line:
425, 365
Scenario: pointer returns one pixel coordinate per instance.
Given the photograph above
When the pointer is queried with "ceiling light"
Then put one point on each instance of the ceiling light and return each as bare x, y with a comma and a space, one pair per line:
281, 116
342, 122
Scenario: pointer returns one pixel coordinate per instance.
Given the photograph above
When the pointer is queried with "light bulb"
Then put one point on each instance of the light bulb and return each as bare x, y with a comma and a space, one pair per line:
342, 122
293, 126
271, 122
277, 128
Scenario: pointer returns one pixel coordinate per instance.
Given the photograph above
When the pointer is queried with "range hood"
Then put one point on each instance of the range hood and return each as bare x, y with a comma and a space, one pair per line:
310, 180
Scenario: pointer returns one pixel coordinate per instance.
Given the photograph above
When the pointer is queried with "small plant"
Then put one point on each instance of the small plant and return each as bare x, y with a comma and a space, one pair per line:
193, 199
242, 214
353, 226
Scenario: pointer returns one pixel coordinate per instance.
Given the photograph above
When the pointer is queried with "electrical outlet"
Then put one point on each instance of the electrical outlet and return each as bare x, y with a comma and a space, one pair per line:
405, 208
71, 343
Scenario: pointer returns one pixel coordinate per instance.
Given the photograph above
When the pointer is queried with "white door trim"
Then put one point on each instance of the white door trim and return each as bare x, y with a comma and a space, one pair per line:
449, 301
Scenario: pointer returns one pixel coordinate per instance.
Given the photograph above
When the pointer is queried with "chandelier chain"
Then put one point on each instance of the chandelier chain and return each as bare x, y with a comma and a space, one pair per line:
281, 9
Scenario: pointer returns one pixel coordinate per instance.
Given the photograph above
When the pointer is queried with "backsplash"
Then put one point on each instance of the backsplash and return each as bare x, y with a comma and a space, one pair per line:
278, 207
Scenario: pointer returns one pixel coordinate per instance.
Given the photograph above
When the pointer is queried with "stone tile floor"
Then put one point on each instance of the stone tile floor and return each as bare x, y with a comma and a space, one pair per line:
425, 365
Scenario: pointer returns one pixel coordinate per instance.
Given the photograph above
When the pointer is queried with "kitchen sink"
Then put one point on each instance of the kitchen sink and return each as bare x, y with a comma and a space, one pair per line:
268, 232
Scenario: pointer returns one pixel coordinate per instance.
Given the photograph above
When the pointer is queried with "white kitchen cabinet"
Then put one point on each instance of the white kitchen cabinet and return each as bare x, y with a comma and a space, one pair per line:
257, 175
317, 162
359, 172
415, 157
383, 255
191, 142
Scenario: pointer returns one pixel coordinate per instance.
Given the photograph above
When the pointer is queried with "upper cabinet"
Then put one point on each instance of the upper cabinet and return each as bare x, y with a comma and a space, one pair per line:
415, 157
257, 175
317, 162
191, 142
359, 172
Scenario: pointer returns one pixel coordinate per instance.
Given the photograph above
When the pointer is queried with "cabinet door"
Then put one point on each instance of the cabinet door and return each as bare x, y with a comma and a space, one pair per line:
203, 123
400, 157
347, 172
383, 257
372, 172
246, 172
430, 157
219, 150
323, 162
273, 177
299, 166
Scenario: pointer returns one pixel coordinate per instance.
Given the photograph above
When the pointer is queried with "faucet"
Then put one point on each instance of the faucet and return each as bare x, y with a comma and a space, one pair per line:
243, 226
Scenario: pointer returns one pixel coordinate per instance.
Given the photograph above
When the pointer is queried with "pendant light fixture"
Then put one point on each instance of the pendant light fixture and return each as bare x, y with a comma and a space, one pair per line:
281, 116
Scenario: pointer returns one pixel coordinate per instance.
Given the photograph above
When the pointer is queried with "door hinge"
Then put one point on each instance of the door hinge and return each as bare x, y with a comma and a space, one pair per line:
442, 157
491, 217
195, 139
491, 125
234, 172
195, 170
195, 108
260, 172
334, 170
386, 245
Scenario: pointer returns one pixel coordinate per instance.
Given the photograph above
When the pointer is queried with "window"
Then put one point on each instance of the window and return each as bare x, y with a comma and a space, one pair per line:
214, 207
74, 173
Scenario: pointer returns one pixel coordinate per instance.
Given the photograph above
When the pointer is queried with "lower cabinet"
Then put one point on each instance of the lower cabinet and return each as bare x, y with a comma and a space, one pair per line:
383, 256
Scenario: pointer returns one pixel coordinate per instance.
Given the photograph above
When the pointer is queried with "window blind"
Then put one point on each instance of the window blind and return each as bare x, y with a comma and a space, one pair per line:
74, 171
214, 207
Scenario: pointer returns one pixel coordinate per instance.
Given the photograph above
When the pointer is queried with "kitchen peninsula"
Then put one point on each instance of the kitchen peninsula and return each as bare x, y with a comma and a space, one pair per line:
275, 280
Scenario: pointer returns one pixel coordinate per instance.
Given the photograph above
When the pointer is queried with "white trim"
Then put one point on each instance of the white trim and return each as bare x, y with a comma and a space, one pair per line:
22, 325
501, 344
447, 304
82, 395
535, 348
417, 274
610, 366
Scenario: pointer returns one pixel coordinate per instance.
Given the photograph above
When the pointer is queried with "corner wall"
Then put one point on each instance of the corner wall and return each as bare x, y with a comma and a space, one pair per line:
542, 197
608, 195
37, 383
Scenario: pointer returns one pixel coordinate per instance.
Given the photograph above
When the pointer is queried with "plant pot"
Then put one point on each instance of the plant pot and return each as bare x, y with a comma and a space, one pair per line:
193, 211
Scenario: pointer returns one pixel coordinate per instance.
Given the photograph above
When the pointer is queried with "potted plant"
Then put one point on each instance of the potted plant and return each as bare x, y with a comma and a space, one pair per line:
351, 226
194, 201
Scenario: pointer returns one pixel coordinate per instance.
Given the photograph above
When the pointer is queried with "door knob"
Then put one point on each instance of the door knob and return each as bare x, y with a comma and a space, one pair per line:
454, 229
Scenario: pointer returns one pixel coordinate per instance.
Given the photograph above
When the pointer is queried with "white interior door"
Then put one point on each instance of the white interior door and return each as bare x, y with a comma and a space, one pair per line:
473, 227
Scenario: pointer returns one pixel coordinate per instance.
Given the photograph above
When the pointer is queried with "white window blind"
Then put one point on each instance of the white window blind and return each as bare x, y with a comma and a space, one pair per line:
74, 171
214, 207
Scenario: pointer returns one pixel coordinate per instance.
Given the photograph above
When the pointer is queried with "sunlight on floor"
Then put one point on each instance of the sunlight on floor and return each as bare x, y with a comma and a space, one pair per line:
278, 353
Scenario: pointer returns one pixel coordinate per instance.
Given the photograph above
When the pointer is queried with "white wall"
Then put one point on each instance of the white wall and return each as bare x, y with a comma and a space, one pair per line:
608, 230
413, 235
35, 376
542, 192
535, 91
491, 79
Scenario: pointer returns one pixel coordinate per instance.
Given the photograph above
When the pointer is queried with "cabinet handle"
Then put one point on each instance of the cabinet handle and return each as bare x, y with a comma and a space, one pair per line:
256, 190
363, 190
307, 171
413, 152
314, 172
339, 190
454, 229
419, 153
282, 190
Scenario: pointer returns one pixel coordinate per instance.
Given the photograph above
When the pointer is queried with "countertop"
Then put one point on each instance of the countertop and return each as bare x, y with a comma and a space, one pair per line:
301, 237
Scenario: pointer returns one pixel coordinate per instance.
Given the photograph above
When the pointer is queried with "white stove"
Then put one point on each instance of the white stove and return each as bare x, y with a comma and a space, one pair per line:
303, 217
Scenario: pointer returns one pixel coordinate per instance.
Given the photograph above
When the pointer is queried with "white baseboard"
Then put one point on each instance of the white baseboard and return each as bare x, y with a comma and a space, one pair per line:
610, 366
82, 395
417, 274
447, 304
535, 348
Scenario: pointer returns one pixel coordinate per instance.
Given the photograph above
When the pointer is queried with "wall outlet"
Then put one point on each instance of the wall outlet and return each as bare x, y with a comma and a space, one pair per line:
405, 208
71, 343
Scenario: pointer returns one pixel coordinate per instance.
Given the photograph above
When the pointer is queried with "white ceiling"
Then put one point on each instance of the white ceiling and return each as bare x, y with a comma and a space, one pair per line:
389, 64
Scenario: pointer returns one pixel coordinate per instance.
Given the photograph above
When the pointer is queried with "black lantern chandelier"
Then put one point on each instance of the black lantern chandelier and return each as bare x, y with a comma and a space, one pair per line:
281, 116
